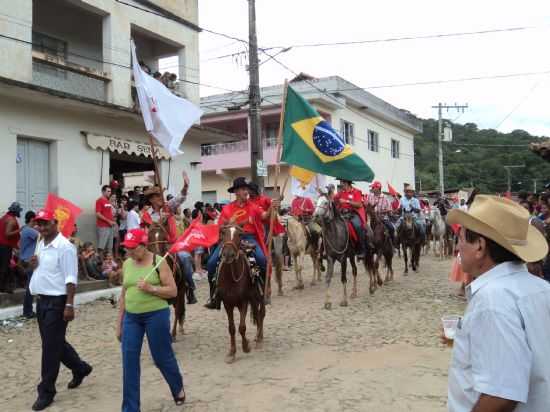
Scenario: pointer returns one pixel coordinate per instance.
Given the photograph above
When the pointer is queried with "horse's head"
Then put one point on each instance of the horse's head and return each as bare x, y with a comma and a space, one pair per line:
231, 238
323, 208
157, 237
408, 221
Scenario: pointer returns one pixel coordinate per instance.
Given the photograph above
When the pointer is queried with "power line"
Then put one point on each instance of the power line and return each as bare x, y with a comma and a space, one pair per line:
519, 103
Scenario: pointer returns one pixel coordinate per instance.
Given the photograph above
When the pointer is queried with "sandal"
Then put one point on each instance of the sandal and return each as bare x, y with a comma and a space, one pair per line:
180, 401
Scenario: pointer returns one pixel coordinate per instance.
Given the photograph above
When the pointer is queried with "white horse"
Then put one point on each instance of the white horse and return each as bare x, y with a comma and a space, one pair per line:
298, 247
439, 231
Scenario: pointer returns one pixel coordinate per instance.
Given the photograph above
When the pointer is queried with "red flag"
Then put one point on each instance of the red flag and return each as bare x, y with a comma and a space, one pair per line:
65, 213
197, 234
392, 190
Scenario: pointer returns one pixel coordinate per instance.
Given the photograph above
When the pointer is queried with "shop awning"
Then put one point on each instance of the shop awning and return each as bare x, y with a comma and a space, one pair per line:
115, 144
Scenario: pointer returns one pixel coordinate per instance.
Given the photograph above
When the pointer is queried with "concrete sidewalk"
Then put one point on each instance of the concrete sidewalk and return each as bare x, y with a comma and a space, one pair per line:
80, 298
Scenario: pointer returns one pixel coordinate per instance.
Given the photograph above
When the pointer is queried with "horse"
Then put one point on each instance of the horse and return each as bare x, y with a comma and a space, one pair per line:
429, 233
237, 289
299, 243
383, 245
410, 238
159, 245
439, 233
338, 247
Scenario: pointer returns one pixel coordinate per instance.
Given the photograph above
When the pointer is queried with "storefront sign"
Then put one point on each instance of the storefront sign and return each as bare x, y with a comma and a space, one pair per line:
114, 144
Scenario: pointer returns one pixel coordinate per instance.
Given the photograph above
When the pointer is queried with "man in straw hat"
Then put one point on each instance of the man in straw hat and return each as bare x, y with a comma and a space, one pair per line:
501, 355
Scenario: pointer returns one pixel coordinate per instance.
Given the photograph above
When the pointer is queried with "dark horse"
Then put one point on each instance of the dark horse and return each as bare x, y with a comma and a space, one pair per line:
338, 247
237, 289
383, 245
410, 239
158, 244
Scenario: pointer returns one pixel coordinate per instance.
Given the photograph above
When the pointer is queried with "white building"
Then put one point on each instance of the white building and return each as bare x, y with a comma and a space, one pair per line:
380, 133
67, 118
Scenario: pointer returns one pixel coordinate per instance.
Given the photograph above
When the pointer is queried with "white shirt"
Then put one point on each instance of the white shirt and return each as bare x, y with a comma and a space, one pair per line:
132, 220
502, 347
57, 266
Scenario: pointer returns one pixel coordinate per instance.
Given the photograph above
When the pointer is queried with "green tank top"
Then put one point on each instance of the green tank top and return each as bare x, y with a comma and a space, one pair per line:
135, 300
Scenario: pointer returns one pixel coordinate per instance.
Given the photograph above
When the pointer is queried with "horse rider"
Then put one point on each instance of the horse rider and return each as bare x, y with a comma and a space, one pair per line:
410, 204
163, 213
443, 205
349, 201
243, 212
264, 203
381, 206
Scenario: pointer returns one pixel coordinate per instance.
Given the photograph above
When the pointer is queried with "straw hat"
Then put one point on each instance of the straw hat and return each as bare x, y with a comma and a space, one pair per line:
155, 190
506, 223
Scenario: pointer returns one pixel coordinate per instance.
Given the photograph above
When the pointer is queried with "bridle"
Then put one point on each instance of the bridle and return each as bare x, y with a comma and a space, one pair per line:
238, 256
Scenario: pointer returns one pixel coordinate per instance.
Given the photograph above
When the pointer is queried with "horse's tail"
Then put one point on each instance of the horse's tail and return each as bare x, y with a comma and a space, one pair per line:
255, 304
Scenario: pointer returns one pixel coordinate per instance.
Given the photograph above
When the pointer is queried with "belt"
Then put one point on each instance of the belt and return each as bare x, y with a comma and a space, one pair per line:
51, 298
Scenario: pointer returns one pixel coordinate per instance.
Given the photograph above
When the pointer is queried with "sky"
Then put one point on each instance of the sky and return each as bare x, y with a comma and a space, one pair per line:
506, 104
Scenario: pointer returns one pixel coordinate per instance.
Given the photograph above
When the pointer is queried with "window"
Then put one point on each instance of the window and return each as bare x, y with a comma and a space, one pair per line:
372, 141
346, 130
395, 149
52, 47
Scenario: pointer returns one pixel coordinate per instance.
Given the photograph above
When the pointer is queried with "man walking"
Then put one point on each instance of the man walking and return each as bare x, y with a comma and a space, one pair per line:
29, 237
105, 222
9, 240
501, 356
54, 283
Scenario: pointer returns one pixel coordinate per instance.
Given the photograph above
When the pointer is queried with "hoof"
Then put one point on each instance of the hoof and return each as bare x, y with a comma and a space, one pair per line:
313, 283
353, 295
246, 347
229, 359
380, 282
259, 344
173, 339
280, 293
328, 306
299, 286
344, 303
267, 300
405, 273
372, 290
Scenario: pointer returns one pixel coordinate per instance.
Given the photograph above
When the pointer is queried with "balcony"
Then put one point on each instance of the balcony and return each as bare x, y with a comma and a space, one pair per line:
234, 155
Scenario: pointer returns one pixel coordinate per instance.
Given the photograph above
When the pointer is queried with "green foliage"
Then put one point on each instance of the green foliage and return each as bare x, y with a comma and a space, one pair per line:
480, 166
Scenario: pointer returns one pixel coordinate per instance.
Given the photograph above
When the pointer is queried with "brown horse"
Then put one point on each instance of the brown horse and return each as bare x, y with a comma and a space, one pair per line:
410, 239
159, 245
237, 289
383, 246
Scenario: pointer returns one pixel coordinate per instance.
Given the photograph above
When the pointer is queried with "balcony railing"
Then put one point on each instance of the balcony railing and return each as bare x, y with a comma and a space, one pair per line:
55, 73
232, 147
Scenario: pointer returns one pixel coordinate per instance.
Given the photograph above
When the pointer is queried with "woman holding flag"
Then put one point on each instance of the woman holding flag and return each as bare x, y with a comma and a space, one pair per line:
144, 310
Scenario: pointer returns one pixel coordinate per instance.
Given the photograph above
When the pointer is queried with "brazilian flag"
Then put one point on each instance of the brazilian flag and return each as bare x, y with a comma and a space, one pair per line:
310, 142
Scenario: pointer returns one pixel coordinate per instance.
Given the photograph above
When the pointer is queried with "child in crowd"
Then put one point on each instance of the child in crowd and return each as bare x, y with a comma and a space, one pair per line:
110, 269
92, 261
75, 240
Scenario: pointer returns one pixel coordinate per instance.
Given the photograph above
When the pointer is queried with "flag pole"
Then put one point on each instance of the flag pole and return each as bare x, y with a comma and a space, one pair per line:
156, 266
267, 286
155, 162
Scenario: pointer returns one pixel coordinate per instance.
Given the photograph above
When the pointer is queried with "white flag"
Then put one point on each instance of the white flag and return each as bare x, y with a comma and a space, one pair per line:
166, 116
302, 189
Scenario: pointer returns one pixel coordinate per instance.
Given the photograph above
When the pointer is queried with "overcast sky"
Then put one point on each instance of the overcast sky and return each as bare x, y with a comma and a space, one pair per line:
290, 22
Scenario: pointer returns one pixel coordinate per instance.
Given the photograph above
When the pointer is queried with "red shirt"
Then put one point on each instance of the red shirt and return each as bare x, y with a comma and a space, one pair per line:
245, 213
12, 241
264, 203
301, 206
105, 208
395, 204
353, 195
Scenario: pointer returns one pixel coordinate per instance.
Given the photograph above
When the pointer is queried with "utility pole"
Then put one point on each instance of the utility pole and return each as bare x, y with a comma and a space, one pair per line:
535, 185
254, 110
509, 173
440, 108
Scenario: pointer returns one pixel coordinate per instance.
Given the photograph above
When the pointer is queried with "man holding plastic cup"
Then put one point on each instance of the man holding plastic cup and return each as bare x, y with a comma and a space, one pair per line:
501, 354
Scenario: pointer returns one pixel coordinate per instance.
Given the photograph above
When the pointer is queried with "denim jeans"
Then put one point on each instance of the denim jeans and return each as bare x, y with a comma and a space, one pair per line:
214, 258
27, 301
156, 325
186, 261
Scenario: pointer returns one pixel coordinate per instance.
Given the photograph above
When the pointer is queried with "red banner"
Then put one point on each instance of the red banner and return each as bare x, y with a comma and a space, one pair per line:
392, 190
197, 234
65, 213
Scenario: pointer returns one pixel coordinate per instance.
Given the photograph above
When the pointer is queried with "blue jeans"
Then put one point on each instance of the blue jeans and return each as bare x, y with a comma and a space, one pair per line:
186, 261
214, 258
27, 301
156, 325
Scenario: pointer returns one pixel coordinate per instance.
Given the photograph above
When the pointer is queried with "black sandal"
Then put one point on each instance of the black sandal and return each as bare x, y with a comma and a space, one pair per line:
180, 401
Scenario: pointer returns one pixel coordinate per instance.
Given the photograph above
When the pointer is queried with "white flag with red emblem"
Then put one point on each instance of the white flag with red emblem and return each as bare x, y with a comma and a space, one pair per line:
166, 116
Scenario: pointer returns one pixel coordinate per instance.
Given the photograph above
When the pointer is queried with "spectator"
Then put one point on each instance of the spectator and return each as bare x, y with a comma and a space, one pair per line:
75, 240
92, 261
144, 67
122, 213
113, 200
171, 83
29, 237
132, 218
110, 268
186, 220
105, 222
157, 76
9, 240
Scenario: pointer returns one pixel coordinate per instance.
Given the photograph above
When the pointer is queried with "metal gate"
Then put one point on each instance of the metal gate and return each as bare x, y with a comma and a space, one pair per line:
33, 173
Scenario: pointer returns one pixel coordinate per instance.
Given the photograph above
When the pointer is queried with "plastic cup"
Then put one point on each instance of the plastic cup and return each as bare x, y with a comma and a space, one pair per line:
450, 325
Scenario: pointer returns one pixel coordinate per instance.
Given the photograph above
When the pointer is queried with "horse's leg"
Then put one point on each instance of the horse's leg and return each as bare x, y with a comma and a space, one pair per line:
242, 326
328, 278
377, 273
405, 258
354, 273
260, 324
279, 274
298, 258
315, 266
230, 358
344, 279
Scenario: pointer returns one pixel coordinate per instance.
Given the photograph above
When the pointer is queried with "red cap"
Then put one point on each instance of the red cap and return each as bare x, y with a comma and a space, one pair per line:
45, 215
376, 185
134, 238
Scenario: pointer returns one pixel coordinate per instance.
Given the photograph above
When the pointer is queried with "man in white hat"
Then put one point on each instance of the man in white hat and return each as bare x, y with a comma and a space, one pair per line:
501, 354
